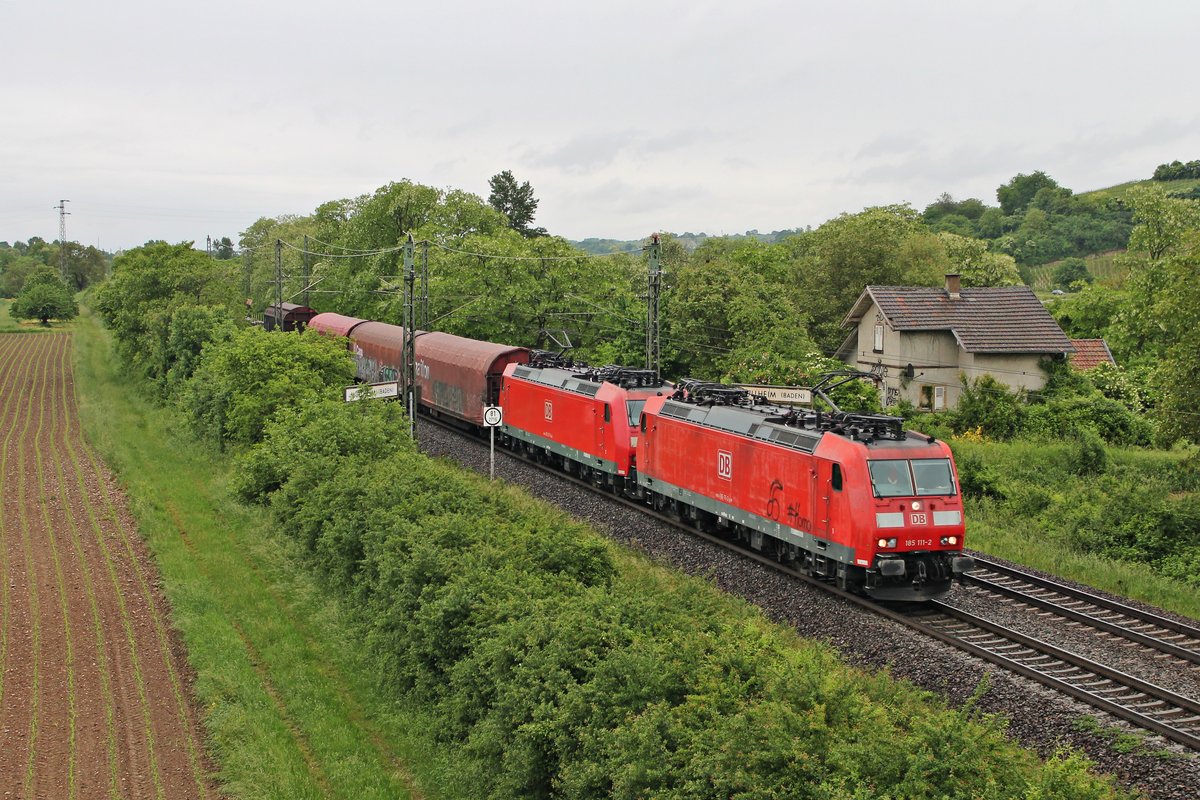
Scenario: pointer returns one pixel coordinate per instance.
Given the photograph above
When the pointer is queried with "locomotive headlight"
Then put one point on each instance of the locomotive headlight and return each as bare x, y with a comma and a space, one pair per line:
886, 543
892, 542
916, 505
949, 540
882, 542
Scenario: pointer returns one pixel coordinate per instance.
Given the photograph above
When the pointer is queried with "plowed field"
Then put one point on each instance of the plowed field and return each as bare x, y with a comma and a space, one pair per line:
94, 700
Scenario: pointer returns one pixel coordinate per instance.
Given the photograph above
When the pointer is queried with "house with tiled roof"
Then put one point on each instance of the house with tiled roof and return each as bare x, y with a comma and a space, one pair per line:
923, 338
1090, 353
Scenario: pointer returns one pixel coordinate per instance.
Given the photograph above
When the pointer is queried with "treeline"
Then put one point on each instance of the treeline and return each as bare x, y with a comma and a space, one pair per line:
1150, 319
1177, 170
689, 240
738, 309
551, 663
84, 265
1037, 220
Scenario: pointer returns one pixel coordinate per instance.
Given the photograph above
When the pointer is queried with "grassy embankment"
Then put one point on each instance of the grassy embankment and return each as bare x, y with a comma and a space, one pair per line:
1042, 491
288, 710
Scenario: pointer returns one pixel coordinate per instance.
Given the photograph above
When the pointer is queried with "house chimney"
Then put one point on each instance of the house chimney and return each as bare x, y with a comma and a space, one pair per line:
953, 285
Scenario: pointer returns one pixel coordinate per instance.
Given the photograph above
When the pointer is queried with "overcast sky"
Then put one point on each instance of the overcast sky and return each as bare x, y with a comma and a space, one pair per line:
163, 120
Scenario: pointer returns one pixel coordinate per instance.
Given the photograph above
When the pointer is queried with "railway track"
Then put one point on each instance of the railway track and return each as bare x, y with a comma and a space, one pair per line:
1151, 707
1149, 630
1143, 704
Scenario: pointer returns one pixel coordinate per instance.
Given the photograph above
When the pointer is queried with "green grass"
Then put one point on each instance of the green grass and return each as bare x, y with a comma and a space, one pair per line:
1121, 740
1002, 539
289, 710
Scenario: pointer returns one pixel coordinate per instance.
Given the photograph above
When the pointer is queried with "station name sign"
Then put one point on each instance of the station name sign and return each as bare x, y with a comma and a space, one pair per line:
387, 389
781, 395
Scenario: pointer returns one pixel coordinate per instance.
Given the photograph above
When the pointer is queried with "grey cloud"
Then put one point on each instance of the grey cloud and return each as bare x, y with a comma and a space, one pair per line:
596, 151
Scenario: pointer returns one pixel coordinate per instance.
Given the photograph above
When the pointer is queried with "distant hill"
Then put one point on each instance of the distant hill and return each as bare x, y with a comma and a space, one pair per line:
1064, 227
689, 240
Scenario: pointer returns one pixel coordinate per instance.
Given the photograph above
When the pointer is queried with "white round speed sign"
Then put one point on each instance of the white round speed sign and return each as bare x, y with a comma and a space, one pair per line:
493, 416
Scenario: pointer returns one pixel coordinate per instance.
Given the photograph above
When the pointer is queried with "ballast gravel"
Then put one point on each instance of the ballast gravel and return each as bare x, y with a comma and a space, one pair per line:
1036, 717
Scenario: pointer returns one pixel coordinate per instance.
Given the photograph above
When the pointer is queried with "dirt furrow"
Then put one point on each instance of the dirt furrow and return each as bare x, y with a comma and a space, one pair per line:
22, 673
94, 703
173, 716
53, 760
15, 356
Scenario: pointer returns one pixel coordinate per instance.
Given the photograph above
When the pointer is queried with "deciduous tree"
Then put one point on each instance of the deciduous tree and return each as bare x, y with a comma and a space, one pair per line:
44, 297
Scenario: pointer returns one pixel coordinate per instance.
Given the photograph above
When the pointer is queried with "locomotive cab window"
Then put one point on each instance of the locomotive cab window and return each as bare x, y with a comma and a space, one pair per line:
835, 477
891, 478
933, 476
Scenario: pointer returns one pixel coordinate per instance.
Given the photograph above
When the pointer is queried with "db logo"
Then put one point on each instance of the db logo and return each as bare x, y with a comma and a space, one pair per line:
724, 464
549, 411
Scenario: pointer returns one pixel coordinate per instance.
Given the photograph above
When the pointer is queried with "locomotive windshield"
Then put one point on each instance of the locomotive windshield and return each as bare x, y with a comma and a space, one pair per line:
933, 476
633, 408
901, 478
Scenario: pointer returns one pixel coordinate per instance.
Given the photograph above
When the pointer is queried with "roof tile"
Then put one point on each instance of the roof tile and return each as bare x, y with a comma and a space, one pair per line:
1090, 353
1005, 319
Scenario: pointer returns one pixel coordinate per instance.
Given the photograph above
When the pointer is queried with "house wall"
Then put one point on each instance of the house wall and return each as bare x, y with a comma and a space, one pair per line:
1017, 371
937, 361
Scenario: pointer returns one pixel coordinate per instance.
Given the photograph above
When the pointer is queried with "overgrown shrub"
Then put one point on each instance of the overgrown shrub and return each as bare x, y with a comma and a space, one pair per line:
244, 380
1088, 456
1069, 416
989, 405
976, 479
1141, 521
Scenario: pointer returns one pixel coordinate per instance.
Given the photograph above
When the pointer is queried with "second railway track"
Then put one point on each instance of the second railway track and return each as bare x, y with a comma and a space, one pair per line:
1153, 631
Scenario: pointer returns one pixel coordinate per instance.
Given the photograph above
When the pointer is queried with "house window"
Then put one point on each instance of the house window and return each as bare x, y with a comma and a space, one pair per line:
939, 398
926, 400
878, 337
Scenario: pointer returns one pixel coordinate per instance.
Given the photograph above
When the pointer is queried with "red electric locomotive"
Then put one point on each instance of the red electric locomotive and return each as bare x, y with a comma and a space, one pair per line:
581, 419
849, 497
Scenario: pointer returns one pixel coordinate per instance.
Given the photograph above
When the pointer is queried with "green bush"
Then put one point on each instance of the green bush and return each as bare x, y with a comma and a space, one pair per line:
1088, 456
1065, 417
242, 381
1141, 521
988, 405
976, 479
